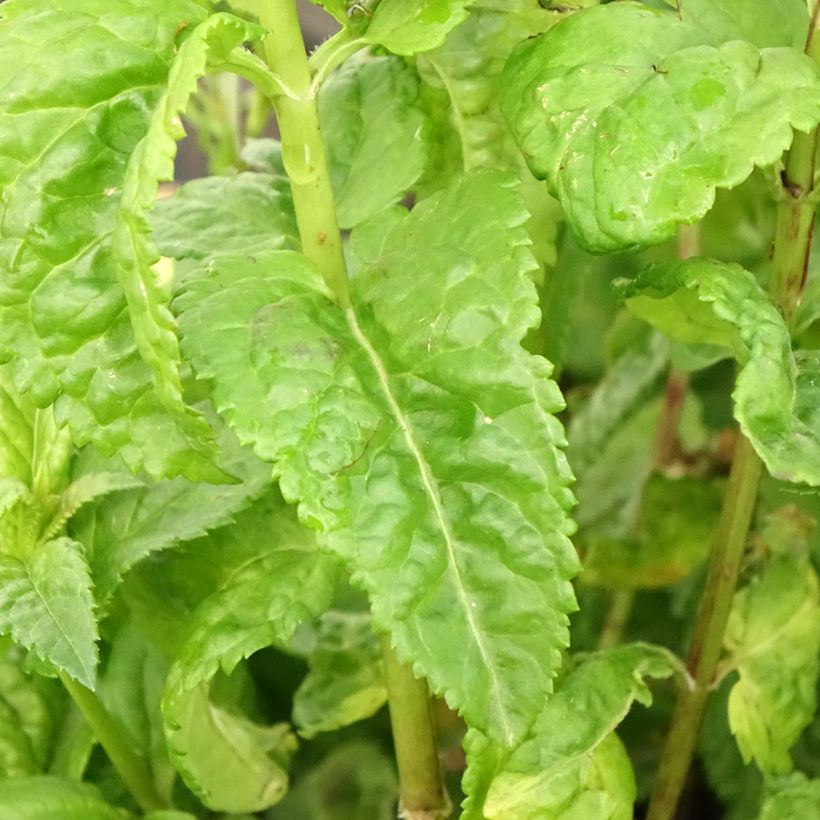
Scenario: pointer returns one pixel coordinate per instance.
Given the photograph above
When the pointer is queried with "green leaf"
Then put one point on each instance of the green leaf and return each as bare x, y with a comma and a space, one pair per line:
770, 24
777, 394
671, 536
570, 764
417, 434
773, 638
356, 781
69, 130
120, 530
229, 762
792, 796
243, 214
634, 121
28, 713
380, 135
36, 798
46, 606
410, 26
345, 680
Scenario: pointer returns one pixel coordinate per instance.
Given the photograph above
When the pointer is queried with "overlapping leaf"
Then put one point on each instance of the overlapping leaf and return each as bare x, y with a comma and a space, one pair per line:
777, 395
380, 135
416, 432
231, 763
33, 798
570, 764
792, 796
773, 638
46, 605
634, 118
345, 681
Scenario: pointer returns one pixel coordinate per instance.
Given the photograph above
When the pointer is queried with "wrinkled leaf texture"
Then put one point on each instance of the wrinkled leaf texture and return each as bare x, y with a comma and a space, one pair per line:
416, 434
634, 118
777, 393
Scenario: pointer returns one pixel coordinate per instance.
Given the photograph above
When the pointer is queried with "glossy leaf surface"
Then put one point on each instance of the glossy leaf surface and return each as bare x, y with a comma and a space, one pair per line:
776, 394
417, 434
634, 120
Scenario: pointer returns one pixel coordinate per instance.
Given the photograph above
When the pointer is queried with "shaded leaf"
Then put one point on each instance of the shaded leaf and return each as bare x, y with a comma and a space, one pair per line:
792, 796
570, 765
634, 121
247, 213
35, 798
380, 134
773, 638
777, 394
345, 680
231, 763
417, 434
46, 606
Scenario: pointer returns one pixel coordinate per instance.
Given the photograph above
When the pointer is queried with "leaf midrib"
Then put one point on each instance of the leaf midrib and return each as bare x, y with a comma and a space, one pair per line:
428, 483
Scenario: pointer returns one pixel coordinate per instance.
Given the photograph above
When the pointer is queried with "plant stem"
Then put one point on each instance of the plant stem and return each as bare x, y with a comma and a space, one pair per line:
617, 618
707, 642
117, 746
303, 151
422, 795
795, 218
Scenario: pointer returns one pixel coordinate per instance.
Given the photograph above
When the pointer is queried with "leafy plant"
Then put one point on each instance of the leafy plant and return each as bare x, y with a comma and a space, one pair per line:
289, 444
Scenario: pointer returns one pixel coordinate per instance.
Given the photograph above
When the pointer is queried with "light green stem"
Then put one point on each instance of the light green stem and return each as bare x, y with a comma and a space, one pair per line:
795, 218
303, 151
617, 618
119, 748
422, 795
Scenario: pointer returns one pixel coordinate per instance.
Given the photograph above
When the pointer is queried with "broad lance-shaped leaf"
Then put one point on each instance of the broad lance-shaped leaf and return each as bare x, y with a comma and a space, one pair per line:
634, 118
417, 434
380, 135
232, 764
773, 638
122, 529
570, 764
35, 798
777, 393
46, 606
791, 796
345, 681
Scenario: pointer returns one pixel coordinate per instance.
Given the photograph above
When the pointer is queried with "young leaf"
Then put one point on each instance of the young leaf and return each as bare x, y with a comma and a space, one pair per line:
380, 135
46, 606
569, 764
777, 394
246, 213
773, 638
345, 682
417, 434
768, 25
35, 798
410, 26
792, 796
122, 529
634, 122
72, 117
229, 762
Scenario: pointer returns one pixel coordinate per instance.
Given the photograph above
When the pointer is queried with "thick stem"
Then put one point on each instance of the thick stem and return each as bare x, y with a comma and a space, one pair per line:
303, 151
422, 795
117, 746
707, 642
